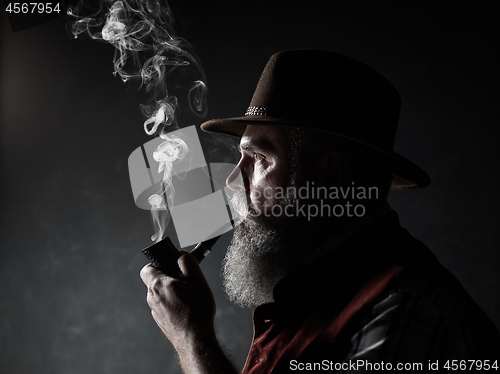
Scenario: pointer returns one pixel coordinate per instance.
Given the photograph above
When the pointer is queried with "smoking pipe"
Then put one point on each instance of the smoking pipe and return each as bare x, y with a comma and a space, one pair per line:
163, 254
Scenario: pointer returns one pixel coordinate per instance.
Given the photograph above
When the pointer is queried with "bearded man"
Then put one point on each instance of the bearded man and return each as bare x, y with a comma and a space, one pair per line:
337, 284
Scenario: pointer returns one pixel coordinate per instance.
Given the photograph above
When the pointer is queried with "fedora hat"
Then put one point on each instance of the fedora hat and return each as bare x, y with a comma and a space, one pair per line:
329, 92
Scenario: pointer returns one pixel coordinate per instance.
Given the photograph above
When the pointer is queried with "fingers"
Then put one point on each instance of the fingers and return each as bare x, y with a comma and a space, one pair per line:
155, 280
187, 263
149, 274
152, 278
181, 305
191, 275
162, 289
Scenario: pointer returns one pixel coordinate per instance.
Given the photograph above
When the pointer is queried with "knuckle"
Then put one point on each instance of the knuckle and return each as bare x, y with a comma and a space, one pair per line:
162, 284
156, 284
175, 285
145, 271
151, 300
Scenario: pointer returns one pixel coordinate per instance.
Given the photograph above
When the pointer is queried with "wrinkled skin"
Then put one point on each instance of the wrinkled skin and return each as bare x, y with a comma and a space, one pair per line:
264, 166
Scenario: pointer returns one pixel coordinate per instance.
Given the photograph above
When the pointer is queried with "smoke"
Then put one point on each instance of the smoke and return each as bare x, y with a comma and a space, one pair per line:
147, 49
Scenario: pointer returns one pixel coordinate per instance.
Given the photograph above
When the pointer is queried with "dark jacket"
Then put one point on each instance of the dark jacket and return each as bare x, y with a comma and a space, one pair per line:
380, 298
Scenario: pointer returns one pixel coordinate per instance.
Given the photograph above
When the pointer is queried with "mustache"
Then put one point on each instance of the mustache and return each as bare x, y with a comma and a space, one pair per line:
241, 204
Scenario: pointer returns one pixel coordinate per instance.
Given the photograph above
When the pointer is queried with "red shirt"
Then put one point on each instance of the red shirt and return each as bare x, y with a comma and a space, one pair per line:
276, 343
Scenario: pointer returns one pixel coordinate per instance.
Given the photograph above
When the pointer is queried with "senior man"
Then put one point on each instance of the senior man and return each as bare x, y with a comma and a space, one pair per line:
337, 284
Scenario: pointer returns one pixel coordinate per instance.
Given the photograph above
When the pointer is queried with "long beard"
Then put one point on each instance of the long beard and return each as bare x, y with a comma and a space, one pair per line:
263, 250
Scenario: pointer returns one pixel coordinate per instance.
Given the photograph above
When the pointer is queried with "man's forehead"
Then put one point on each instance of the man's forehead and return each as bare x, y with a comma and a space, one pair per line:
267, 137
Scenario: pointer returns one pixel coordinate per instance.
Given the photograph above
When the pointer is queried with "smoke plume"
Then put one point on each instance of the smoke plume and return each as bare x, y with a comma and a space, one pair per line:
147, 49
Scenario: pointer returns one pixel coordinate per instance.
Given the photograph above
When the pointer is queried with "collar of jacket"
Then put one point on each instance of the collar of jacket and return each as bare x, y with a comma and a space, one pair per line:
341, 267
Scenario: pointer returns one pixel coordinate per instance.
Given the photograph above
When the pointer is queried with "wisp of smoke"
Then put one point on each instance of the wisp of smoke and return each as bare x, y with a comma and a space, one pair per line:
147, 49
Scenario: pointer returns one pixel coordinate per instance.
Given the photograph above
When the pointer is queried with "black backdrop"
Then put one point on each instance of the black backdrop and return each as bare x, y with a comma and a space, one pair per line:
71, 300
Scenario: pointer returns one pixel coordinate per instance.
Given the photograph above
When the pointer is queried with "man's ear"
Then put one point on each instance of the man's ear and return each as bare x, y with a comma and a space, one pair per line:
334, 169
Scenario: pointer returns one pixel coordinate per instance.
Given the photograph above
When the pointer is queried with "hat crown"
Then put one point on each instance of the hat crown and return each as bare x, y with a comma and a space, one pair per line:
330, 92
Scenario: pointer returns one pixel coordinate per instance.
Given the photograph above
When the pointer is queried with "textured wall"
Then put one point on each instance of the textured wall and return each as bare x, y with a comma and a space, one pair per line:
71, 300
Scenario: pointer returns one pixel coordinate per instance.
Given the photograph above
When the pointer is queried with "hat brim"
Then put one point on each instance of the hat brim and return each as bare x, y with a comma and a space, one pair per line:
406, 174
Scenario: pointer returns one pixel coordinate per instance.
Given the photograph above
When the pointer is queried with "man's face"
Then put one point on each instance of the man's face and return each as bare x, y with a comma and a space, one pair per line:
264, 167
265, 247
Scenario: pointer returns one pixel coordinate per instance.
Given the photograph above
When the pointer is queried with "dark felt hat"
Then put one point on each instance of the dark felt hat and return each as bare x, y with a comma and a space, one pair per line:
328, 92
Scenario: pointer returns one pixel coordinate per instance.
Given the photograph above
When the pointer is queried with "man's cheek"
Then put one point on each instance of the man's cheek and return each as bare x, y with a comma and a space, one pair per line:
256, 196
268, 194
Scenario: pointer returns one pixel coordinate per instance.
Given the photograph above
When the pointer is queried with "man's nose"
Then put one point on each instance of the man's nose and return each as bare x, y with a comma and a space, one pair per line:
235, 180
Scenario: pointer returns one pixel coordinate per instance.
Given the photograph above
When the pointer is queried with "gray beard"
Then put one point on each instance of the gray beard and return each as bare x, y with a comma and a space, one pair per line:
263, 250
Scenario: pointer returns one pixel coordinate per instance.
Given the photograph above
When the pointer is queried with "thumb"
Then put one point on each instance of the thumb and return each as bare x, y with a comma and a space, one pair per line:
190, 268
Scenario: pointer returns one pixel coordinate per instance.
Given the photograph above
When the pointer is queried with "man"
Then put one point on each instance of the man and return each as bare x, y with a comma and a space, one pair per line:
337, 284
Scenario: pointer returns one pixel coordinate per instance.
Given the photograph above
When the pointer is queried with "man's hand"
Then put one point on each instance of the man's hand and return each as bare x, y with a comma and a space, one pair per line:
184, 309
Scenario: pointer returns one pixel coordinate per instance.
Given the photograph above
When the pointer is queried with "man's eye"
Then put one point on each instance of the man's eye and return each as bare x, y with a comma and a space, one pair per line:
258, 157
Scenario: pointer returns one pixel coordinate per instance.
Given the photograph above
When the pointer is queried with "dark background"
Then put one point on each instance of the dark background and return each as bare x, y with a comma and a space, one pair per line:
71, 300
